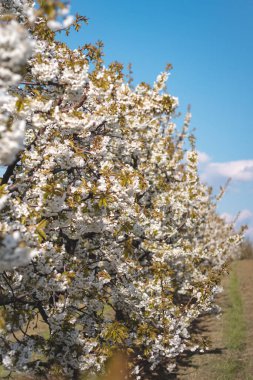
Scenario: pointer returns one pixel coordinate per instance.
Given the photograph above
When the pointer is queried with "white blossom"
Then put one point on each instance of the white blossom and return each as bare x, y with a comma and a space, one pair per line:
107, 235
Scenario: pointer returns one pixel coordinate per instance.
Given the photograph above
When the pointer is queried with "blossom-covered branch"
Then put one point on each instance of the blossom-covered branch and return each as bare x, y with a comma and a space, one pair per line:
128, 248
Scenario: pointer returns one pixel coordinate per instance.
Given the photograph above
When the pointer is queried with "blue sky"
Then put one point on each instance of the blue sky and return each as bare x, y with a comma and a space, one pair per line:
210, 45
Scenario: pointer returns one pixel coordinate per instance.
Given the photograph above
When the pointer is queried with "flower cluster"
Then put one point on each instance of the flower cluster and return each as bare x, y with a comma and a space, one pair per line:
15, 49
129, 247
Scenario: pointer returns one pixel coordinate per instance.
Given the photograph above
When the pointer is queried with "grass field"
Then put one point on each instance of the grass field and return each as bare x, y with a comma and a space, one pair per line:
231, 352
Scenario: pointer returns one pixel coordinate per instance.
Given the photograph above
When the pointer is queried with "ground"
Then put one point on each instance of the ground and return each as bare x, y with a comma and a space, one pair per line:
231, 336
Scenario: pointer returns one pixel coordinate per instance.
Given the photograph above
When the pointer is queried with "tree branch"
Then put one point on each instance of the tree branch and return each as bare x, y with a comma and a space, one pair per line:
9, 171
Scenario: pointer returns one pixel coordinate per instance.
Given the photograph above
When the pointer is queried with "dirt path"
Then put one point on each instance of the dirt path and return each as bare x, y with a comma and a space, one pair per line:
245, 276
231, 336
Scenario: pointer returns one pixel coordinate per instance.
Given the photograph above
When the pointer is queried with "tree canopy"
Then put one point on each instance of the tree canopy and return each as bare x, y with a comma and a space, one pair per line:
108, 238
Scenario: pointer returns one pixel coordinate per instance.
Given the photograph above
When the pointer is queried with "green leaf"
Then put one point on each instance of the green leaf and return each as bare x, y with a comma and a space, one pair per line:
40, 230
20, 104
102, 202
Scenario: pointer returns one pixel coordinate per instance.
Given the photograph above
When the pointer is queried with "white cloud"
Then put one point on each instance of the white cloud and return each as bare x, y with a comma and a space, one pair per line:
229, 218
203, 157
241, 170
245, 216
249, 233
